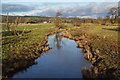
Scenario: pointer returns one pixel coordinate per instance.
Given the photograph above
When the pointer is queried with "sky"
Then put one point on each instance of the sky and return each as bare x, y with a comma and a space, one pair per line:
68, 8
60, 0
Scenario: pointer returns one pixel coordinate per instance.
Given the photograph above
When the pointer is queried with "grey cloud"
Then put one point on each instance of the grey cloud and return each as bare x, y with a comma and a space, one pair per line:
67, 9
92, 9
16, 8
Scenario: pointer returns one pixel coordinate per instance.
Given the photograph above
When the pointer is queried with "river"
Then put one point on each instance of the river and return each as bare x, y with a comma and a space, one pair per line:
64, 60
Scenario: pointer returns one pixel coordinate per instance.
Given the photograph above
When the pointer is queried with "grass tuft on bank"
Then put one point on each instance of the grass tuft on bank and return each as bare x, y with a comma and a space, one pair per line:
15, 46
103, 40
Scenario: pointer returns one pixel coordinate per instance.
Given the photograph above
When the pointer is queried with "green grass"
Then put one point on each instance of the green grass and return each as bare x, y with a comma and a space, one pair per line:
34, 36
98, 30
101, 38
14, 46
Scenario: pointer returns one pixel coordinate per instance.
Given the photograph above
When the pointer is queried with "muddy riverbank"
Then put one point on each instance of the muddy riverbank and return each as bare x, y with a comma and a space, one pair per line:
10, 66
64, 60
100, 68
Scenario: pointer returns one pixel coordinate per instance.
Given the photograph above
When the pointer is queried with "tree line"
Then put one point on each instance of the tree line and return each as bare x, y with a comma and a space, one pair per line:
112, 19
59, 21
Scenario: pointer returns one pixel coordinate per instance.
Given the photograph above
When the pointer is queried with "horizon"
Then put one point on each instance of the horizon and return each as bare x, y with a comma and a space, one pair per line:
67, 8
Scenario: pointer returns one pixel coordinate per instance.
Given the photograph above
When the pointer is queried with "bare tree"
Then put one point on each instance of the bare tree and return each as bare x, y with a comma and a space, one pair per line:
16, 24
58, 20
58, 14
114, 13
8, 24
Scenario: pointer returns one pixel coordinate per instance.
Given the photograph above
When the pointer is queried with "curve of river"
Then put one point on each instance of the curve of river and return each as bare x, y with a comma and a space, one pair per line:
64, 60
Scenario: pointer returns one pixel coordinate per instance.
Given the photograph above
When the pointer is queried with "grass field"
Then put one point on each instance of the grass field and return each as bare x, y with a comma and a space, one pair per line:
34, 36
103, 39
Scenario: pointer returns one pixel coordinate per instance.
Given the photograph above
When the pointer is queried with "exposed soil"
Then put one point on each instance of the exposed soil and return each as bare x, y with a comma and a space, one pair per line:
12, 66
102, 66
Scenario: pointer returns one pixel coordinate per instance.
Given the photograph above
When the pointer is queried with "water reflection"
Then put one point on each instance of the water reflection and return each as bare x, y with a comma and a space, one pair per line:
58, 40
94, 73
64, 60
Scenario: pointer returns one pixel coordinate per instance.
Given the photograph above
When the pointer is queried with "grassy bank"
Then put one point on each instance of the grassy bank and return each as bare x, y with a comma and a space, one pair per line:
23, 48
19, 50
104, 43
33, 37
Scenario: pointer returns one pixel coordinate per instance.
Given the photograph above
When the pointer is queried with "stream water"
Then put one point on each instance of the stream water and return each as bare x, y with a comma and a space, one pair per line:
64, 60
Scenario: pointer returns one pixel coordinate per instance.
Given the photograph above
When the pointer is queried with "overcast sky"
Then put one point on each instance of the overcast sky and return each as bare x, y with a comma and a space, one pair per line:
93, 8
60, 0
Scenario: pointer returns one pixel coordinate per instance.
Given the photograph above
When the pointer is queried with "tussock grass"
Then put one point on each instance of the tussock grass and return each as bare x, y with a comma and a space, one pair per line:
14, 46
104, 39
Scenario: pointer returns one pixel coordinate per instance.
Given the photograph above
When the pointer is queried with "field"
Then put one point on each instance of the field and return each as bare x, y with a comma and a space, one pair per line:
101, 38
13, 46
103, 42
34, 36
60, 39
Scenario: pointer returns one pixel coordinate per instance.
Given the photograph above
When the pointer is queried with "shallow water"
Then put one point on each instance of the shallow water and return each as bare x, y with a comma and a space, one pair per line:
64, 60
